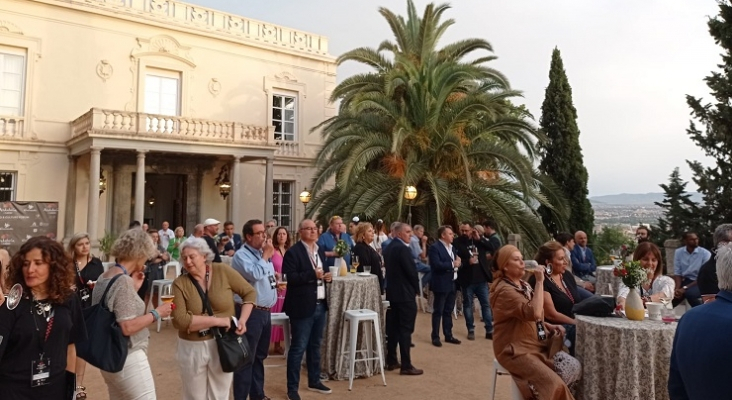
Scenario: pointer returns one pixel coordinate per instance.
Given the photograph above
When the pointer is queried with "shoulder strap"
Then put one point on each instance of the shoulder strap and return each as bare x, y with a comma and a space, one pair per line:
109, 286
204, 297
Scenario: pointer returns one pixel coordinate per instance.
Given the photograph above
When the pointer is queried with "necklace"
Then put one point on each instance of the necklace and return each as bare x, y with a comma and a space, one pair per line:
44, 308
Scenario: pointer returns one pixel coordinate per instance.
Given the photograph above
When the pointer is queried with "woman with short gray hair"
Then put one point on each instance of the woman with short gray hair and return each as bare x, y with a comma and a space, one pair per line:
197, 355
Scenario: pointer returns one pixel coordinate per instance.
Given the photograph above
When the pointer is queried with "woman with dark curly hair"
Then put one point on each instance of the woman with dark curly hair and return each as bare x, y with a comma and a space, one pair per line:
37, 337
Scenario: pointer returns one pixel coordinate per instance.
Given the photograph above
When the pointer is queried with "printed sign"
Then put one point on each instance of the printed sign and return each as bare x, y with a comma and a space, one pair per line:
22, 220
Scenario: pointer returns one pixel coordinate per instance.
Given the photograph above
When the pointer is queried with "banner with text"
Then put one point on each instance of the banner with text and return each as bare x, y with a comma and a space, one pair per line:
21, 220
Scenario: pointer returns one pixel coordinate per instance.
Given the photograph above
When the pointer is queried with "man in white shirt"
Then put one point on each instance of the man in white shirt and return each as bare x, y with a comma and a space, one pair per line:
166, 234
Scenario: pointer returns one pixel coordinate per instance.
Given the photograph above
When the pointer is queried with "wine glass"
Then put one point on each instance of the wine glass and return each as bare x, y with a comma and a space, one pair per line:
166, 294
354, 264
282, 286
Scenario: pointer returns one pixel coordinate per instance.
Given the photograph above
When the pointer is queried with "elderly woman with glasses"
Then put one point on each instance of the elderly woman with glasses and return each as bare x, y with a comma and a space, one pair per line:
197, 355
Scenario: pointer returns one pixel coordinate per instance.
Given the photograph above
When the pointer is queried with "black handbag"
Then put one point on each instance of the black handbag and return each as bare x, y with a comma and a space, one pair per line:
106, 347
595, 306
234, 351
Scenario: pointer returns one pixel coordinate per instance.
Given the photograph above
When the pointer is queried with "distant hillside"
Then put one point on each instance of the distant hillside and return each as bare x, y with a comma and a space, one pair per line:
635, 198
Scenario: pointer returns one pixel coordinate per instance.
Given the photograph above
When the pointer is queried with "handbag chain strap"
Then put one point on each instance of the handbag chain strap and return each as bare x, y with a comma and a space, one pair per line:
206, 303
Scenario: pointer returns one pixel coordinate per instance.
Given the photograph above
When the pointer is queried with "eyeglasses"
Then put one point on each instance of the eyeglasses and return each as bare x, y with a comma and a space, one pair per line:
260, 233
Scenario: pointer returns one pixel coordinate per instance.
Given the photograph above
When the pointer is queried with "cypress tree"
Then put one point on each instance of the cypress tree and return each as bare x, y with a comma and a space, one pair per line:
715, 182
680, 213
561, 154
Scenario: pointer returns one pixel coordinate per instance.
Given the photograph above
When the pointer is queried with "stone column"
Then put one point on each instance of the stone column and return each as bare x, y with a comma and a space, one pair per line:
514, 239
268, 189
70, 212
93, 210
140, 186
235, 196
670, 247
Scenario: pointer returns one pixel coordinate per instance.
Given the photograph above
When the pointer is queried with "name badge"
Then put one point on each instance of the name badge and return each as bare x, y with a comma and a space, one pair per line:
40, 372
84, 294
321, 292
272, 282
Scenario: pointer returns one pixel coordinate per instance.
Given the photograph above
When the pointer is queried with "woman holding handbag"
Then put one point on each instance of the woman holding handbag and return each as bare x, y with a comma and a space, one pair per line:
198, 356
40, 328
131, 250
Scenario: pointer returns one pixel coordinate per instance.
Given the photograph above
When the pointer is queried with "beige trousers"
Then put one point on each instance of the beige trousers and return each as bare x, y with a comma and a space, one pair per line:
200, 371
134, 382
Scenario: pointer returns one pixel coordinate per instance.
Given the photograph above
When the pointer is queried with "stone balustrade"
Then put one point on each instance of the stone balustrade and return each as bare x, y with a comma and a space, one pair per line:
213, 21
287, 148
103, 122
11, 127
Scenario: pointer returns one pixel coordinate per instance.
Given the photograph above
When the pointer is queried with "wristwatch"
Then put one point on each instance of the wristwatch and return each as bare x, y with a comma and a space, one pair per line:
684, 287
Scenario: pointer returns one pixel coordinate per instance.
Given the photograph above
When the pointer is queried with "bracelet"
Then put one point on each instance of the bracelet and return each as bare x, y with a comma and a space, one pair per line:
155, 315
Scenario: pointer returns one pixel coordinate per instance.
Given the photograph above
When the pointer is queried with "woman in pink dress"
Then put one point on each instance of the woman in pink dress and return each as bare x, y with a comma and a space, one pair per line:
281, 242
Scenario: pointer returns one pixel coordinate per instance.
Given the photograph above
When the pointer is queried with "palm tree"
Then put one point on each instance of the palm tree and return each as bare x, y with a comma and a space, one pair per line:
427, 117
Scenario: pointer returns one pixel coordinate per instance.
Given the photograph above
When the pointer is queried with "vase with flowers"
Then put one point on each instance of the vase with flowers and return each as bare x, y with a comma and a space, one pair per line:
633, 276
341, 249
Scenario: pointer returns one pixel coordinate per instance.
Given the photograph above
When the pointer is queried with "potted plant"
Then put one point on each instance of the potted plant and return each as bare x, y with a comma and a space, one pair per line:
105, 244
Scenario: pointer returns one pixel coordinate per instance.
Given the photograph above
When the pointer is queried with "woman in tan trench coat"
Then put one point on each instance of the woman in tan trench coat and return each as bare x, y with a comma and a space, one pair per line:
539, 368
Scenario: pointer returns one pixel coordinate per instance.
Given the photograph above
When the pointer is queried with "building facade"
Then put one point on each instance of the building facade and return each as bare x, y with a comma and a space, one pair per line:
157, 110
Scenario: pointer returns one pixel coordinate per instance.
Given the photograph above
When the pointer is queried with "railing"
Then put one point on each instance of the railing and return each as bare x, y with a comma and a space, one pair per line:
193, 16
287, 148
11, 127
122, 123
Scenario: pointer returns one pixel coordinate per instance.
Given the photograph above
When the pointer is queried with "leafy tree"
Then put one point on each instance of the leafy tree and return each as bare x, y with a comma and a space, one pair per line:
715, 182
427, 117
561, 154
680, 213
610, 240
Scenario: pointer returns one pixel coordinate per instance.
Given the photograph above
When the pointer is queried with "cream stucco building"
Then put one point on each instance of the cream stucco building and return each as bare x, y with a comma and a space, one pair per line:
156, 99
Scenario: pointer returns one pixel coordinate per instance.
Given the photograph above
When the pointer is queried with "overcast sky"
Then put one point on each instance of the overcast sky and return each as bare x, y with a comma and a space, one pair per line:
630, 63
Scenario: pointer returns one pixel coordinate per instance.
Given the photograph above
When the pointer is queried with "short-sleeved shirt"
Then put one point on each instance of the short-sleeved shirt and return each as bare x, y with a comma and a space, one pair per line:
19, 346
688, 264
562, 302
124, 302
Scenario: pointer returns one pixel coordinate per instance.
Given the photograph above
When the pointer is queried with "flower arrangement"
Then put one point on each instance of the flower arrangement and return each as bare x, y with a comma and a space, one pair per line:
341, 248
631, 273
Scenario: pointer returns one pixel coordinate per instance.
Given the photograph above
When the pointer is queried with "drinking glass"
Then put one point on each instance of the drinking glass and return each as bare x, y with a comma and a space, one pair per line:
354, 264
282, 286
367, 269
668, 315
166, 294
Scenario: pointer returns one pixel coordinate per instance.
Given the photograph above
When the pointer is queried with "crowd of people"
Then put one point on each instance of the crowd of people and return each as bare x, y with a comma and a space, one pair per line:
527, 314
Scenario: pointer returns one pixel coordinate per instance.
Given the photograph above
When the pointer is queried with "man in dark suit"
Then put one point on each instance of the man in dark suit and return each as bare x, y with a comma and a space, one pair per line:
444, 264
306, 305
701, 346
229, 242
474, 277
401, 289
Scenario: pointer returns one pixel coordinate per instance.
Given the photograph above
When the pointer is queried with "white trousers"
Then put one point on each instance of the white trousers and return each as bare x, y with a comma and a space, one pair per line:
134, 382
200, 371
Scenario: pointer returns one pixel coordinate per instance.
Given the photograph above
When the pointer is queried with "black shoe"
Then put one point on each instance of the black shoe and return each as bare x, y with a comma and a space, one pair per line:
320, 388
489, 335
411, 371
293, 396
393, 366
411, 345
436, 343
452, 340
471, 335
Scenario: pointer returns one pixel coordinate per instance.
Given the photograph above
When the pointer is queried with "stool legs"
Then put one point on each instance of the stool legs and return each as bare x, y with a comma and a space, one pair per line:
380, 349
352, 353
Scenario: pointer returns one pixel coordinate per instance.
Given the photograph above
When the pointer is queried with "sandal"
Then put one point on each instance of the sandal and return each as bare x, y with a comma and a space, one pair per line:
80, 393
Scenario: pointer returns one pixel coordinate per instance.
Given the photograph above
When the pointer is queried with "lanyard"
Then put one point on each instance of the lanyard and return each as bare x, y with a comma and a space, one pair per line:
78, 271
122, 268
257, 256
208, 275
42, 340
525, 289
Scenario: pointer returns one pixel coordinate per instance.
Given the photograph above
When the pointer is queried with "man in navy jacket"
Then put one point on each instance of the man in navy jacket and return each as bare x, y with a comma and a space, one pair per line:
443, 262
701, 346
583, 260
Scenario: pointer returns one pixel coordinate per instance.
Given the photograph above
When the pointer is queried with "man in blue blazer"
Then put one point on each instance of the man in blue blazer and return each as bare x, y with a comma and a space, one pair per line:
702, 348
583, 260
443, 263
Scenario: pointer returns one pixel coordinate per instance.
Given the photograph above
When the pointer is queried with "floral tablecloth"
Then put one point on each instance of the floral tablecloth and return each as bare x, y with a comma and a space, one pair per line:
623, 359
350, 292
605, 278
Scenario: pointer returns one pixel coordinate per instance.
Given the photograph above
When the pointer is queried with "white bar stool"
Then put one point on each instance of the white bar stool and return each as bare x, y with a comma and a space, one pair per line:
422, 299
281, 319
159, 284
173, 264
355, 317
499, 370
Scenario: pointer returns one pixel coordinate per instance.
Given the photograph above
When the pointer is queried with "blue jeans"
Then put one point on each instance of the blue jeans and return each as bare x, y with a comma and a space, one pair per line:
583, 293
425, 269
307, 334
480, 290
249, 381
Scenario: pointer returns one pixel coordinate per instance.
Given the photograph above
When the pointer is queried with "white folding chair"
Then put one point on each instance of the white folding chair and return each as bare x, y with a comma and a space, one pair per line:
499, 370
422, 299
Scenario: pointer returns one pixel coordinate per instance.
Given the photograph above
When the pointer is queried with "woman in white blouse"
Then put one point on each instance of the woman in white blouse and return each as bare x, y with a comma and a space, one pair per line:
658, 286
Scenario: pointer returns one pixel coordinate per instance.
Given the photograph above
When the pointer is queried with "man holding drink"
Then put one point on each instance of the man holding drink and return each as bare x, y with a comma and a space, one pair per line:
253, 262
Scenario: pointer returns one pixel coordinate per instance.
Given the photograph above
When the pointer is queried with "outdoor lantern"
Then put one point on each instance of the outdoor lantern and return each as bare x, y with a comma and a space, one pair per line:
410, 193
151, 201
102, 182
223, 182
305, 197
